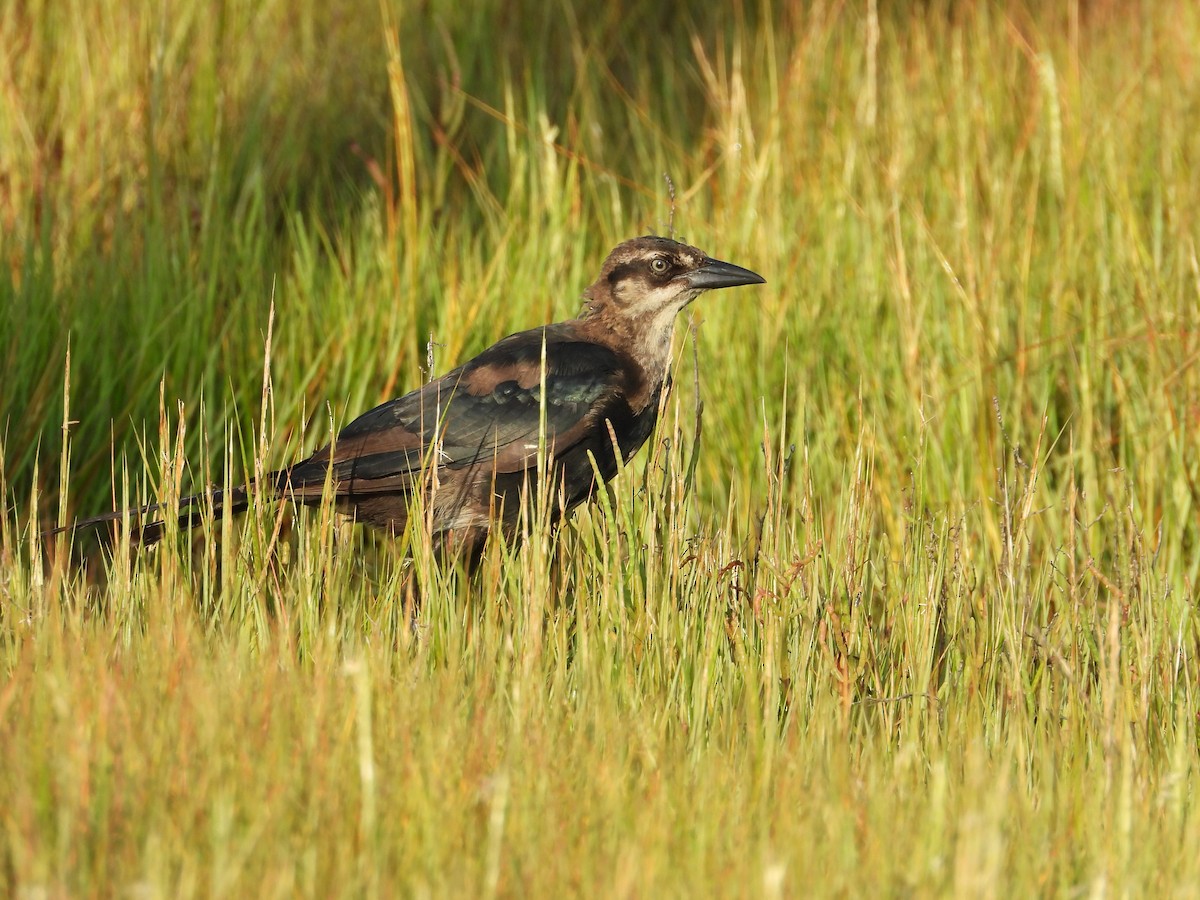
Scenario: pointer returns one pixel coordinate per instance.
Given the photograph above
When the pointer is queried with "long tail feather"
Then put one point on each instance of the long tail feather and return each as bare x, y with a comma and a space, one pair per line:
147, 526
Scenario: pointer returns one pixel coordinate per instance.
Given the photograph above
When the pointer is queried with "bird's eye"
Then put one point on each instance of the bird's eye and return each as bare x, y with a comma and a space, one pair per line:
658, 265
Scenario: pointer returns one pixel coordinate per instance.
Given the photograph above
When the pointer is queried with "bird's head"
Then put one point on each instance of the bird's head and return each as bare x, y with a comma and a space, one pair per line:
653, 278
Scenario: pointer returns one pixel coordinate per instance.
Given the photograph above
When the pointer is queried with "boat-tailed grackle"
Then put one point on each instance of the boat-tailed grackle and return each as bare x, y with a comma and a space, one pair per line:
469, 440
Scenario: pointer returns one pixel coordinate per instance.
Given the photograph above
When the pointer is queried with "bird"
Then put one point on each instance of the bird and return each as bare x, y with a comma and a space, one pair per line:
583, 395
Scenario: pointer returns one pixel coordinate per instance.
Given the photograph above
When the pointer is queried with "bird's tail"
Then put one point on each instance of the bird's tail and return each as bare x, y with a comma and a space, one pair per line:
147, 525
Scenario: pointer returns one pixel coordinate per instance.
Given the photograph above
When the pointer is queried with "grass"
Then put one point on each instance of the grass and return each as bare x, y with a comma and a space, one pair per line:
901, 600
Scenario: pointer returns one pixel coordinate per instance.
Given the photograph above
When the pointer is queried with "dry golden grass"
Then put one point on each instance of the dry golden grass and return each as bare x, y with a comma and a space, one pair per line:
915, 615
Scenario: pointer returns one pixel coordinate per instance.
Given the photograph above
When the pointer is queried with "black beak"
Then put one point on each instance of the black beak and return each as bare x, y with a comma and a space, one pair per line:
717, 274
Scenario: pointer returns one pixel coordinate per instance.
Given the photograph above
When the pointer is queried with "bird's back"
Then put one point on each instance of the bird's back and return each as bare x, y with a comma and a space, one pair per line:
470, 440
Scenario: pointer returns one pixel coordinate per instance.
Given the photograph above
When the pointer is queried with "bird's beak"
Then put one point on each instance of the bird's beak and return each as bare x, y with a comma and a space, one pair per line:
717, 274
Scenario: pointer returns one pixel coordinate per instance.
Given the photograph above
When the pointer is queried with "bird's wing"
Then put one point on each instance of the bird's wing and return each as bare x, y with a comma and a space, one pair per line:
488, 411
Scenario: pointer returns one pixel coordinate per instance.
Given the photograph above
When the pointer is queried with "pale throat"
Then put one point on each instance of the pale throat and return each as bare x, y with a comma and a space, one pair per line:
654, 327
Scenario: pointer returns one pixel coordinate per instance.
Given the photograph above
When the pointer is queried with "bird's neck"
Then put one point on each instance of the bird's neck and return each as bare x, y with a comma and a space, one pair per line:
645, 339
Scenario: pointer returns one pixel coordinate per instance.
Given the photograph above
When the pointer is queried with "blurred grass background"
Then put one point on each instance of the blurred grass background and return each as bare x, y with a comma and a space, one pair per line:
923, 619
